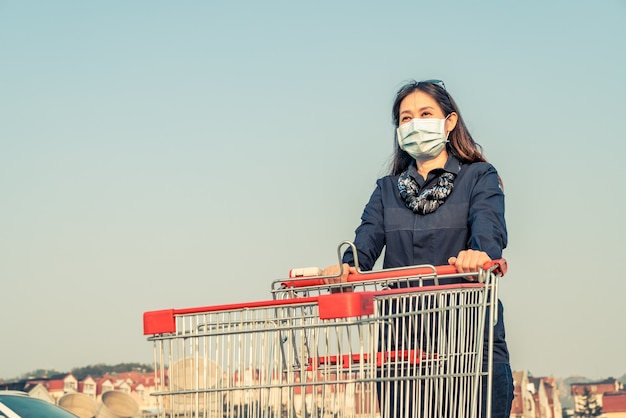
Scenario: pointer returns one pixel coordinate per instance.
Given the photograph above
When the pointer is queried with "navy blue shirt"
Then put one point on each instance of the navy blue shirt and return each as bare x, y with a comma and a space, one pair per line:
472, 217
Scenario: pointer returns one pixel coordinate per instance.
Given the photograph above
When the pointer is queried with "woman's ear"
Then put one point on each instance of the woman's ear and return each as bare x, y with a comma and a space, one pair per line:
451, 121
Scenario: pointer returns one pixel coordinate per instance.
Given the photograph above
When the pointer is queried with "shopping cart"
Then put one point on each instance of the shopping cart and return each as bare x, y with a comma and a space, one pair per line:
394, 346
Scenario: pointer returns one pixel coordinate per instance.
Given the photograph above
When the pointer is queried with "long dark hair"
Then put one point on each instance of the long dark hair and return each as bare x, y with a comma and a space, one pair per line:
461, 144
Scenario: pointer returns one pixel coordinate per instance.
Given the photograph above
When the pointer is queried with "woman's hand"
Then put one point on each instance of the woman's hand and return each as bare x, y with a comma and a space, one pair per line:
468, 261
334, 271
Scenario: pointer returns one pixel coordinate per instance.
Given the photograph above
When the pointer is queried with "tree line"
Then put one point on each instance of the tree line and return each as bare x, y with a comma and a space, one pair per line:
96, 371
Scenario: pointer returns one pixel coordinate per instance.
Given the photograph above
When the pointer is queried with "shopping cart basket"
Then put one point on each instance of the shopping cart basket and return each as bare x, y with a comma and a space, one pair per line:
384, 352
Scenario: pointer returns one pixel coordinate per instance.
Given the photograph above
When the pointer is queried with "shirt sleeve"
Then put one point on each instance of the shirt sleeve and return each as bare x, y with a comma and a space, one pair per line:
486, 215
369, 237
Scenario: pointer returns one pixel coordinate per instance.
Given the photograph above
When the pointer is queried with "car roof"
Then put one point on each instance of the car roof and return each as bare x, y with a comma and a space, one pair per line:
13, 393
13, 398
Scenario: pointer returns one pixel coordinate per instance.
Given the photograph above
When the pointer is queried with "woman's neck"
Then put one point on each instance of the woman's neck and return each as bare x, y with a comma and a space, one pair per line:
426, 166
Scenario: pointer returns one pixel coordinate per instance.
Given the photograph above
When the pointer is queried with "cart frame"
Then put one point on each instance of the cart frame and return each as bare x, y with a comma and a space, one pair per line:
330, 354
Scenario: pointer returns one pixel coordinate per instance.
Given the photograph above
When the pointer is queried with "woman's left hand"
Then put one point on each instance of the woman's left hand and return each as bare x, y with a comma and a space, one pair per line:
469, 261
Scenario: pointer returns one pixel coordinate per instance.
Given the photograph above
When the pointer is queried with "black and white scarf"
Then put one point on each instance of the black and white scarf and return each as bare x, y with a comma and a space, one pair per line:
428, 200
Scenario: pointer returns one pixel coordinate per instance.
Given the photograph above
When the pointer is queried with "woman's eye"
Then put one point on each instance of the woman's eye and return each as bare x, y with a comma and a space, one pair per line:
426, 114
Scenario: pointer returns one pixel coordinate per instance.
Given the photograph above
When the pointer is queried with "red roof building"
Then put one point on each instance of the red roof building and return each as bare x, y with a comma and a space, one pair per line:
614, 404
598, 390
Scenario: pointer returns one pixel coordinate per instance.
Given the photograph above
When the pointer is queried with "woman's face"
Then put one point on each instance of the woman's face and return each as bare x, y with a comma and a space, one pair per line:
419, 105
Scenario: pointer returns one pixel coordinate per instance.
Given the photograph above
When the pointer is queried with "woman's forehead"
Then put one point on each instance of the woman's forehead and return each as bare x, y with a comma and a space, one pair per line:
418, 100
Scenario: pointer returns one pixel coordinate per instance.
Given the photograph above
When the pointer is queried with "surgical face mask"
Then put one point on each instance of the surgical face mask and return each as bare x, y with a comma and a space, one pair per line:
423, 138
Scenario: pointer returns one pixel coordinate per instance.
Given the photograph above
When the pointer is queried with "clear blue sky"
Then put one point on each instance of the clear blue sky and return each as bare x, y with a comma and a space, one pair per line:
158, 154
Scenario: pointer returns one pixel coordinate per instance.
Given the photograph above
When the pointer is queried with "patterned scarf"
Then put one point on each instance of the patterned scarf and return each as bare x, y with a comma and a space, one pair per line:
428, 200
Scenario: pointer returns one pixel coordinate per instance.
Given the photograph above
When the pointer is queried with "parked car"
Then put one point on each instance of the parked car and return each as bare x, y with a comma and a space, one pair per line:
15, 404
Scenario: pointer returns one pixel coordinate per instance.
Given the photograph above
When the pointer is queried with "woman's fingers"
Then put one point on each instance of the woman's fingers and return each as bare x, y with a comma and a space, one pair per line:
334, 270
469, 260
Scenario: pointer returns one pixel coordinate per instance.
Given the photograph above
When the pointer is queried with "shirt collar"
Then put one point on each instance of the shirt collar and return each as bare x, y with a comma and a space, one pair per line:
453, 165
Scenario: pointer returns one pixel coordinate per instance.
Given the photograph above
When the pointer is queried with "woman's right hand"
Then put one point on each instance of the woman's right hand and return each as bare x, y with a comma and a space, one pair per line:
334, 270
468, 261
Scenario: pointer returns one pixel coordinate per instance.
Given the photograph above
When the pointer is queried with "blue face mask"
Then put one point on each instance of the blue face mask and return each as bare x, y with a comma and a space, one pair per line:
423, 139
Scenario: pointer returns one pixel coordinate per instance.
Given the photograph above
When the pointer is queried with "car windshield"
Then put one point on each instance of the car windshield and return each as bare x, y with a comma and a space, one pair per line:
27, 407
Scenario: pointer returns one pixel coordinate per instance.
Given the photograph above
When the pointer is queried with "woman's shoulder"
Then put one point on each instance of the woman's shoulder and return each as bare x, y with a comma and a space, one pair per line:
479, 168
389, 179
479, 173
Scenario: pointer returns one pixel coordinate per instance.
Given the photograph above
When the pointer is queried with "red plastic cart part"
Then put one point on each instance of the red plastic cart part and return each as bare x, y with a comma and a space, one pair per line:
164, 321
348, 360
336, 305
345, 305
500, 268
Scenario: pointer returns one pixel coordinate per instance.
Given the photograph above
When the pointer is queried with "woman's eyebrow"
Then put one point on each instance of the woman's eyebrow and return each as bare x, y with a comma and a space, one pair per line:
418, 110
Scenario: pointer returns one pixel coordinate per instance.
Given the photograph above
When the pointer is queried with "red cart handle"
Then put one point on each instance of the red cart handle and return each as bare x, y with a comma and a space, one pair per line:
496, 266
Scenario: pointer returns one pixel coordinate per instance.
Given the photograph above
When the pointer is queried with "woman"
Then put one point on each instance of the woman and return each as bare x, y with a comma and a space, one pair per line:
442, 203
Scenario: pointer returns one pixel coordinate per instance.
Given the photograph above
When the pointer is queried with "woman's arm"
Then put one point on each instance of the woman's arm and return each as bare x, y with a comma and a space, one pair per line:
370, 235
488, 234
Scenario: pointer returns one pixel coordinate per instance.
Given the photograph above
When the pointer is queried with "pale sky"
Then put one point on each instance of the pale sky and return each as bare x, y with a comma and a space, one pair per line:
158, 154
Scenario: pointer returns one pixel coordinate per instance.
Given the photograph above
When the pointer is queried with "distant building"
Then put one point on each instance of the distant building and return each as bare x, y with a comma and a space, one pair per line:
103, 384
55, 386
39, 391
538, 390
597, 389
614, 404
88, 387
535, 397
554, 397
138, 385
523, 405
